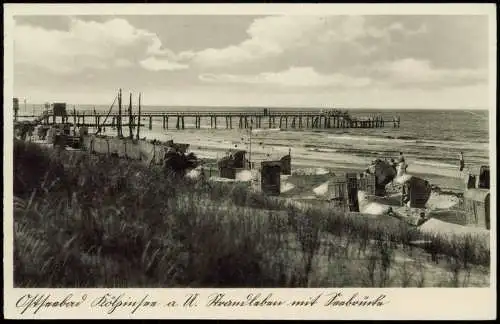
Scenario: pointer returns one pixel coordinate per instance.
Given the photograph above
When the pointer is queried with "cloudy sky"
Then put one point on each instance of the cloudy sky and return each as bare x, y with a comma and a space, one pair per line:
351, 61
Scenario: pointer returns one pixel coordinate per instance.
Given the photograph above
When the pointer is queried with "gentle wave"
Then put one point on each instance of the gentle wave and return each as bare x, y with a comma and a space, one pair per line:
385, 139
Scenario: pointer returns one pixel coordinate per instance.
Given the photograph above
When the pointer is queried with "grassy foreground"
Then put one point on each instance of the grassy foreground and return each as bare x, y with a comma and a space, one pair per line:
83, 220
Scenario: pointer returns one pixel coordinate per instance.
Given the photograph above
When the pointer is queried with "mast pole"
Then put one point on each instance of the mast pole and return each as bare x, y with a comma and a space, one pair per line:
250, 145
119, 121
139, 117
131, 135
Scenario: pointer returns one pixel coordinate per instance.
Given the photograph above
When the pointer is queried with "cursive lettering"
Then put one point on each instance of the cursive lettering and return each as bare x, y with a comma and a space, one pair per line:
45, 301
355, 300
220, 299
111, 302
311, 302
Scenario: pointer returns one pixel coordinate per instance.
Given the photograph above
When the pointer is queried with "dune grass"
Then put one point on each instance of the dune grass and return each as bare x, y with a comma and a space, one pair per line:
84, 220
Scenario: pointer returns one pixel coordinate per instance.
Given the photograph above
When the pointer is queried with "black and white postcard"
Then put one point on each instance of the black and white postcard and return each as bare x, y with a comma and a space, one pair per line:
251, 161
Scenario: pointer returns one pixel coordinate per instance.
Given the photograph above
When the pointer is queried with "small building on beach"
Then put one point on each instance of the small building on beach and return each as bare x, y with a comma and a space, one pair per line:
342, 192
178, 147
478, 178
229, 164
416, 192
286, 164
367, 183
59, 108
271, 177
476, 205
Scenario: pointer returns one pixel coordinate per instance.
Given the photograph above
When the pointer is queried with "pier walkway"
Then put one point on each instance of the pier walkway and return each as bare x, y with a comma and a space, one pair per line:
220, 119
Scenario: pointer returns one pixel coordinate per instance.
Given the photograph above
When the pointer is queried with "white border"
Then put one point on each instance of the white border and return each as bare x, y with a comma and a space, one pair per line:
405, 303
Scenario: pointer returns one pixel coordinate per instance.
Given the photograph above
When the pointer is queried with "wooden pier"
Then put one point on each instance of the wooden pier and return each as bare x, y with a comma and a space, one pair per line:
218, 119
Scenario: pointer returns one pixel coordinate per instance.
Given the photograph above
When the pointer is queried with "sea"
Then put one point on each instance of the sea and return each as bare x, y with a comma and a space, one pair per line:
430, 139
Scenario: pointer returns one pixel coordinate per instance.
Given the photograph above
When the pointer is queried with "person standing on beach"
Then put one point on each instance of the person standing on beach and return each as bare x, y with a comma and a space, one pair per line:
462, 162
402, 162
401, 158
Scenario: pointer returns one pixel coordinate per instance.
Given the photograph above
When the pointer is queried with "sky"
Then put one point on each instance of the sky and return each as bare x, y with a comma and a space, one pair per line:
349, 61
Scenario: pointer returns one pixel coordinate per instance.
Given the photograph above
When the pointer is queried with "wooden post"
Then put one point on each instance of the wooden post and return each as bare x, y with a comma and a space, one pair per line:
150, 122
130, 118
139, 118
119, 120
182, 121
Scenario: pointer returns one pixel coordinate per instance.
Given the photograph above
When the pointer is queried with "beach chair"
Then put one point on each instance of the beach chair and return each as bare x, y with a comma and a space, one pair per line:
477, 207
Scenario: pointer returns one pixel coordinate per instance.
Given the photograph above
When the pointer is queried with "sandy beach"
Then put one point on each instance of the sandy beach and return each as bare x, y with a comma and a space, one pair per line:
314, 152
